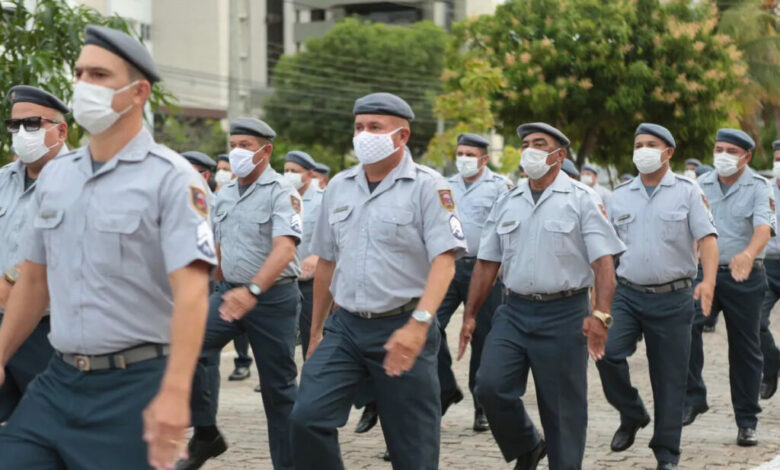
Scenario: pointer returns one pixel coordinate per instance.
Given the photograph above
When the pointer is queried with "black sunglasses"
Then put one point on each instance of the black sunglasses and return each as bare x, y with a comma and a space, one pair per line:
31, 124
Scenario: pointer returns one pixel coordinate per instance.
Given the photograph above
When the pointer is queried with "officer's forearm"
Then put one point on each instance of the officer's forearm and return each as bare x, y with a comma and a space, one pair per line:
439, 277
604, 271
709, 259
24, 310
190, 287
482, 279
322, 300
761, 236
218, 276
282, 254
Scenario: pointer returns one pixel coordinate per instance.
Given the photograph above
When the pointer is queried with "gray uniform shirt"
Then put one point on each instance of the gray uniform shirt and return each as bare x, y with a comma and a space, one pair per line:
604, 194
110, 239
748, 204
660, 231
245, 225
773, 247
383, 242
548, 247
312, 203
475, 202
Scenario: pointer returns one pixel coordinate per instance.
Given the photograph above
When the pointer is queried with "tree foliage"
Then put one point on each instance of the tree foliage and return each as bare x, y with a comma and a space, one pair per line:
315, 90
597, 68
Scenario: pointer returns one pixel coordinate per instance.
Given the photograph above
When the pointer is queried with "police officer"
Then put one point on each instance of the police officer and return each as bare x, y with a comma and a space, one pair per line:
772, 264
299, 169
522, 176
204, 165
743, 207
38, 129
121, 237
322, 173
570, 169
549, 239
257, 227
223, 174
660, 216
475, 189
387, 238
589, 175
691, 165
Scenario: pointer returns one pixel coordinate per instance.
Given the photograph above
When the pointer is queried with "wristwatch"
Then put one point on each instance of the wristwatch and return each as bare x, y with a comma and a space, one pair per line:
605, 318
11, 275
255, 290
422, 316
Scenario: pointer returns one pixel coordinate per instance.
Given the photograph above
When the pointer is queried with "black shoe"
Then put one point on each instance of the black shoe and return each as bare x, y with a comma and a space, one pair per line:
691, 412
625, 435
240, 373
368, 419
259, 388
746, 437
768, 386
480, 421
530, 460
666, 466
386, 456
708, 329
449, 398
200, 451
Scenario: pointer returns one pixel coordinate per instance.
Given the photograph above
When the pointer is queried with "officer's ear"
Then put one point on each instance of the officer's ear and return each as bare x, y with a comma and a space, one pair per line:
748, 157
484, 158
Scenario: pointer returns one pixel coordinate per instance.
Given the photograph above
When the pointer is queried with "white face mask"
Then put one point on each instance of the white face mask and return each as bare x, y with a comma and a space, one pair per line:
534, 162
648, 160
31, 146
241, 161
690, 174
223, 177
92, 106
521, 180
467, 166
776, 169
371, 148
726, 164
296, 179
587, 179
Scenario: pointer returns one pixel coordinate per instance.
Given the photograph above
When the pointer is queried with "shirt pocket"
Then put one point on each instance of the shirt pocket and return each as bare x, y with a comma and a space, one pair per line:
623, 224
112, 244
47, 222
256, 230
675, 224
479, 212
560, 234
338, 221
509, 235
392, 227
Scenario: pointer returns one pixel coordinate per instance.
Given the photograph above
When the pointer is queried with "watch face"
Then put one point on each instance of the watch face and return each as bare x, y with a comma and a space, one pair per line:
254, 289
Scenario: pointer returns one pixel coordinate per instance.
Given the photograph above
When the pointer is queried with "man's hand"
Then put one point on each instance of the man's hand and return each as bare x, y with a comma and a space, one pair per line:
165, 422
741, 265
404, 346
596, 333
704, 293
236, 303
314, 341
5, 291
308, 266
466, 333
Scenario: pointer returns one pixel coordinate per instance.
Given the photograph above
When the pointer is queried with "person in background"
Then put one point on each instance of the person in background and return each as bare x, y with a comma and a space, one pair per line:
589, 175
322, 173
691, 167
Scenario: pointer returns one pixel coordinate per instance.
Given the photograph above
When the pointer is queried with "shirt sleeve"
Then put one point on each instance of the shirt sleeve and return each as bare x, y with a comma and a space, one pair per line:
442, 229
700, 220
287, 216
32, 247
764, 207
185, 229
323, 243
490, 242
599, 235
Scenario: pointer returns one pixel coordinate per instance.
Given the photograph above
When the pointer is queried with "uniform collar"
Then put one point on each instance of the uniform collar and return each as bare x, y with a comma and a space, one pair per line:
404, 170
711, 177
458, 179
668, 180
561, 184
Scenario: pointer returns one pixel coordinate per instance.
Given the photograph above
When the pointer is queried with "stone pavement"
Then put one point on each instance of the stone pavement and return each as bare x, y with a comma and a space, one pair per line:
709, 443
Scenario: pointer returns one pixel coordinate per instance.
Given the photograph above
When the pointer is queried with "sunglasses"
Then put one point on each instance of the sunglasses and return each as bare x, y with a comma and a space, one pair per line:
31, 124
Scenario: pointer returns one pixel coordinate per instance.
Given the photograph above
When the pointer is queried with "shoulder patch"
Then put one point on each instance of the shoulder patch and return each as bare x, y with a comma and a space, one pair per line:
198, 201
446, 200
456, 227
772, 203
603, 211
707, 204
295, 203
205, 239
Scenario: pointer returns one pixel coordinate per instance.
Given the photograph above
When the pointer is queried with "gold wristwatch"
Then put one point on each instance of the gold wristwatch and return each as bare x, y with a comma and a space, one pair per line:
605, 318
11, 275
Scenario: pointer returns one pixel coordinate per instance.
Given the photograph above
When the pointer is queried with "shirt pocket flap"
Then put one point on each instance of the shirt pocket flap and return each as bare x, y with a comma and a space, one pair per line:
396, 216
672, 216
220, 216
48, 219
559, 226
507, 227
118, 223
339, 214
259, 217
2, 211
622, 219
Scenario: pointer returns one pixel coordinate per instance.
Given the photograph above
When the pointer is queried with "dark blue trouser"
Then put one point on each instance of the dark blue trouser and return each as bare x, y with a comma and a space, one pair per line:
270, 327
741, 306
30, 360
352, 350
665, 321
304, 322
241, 343
545, 338
768, 348
81, 420
457, 293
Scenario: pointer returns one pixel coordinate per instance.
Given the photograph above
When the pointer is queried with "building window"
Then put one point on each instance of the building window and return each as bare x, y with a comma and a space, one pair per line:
146, 31
297, 15
317, 14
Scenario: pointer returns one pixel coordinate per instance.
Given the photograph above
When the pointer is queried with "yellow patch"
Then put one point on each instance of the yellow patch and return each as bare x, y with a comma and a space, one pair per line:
198, 201
446, 200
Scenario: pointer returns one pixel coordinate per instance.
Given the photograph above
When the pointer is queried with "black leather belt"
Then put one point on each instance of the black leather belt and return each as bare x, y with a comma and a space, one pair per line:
547, 297
759, 263
658, 288
407, 307
280, 282
118, 360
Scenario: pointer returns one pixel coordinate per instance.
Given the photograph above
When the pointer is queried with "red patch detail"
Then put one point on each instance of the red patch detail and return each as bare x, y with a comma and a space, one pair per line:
198, 201
296, 203
446, 200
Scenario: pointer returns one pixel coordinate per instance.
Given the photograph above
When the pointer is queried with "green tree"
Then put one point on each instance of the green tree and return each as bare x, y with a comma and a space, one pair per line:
596, 68
39, 47
189, 133
314, 90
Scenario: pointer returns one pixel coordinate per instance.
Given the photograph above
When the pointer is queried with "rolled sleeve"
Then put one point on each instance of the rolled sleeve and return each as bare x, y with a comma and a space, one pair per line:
599, 235
442, 229
287, 216
763, 209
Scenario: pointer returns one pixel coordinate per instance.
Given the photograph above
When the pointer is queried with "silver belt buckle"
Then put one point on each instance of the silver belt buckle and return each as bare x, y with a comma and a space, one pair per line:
82, 363
366, 315
537, 297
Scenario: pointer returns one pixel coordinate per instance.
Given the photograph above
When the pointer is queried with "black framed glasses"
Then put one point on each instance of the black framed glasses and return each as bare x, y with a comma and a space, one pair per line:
31, 124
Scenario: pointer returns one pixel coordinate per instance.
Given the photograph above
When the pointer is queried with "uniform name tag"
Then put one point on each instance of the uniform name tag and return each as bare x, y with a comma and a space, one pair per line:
48, 214
340, 209
507, 224
623, 217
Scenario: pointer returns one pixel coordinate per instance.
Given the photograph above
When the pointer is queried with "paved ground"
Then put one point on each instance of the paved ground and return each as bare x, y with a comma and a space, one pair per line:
709, 443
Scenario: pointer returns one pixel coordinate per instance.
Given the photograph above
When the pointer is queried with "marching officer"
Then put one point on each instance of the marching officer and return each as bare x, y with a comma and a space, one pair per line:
549, 239
223, 174
38, 130
743, 206
204, 165
660, 217
570, 169
589, 175
299, 169
387, 239
772, 264
475, 189
257, 227
322, 173
121, 245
